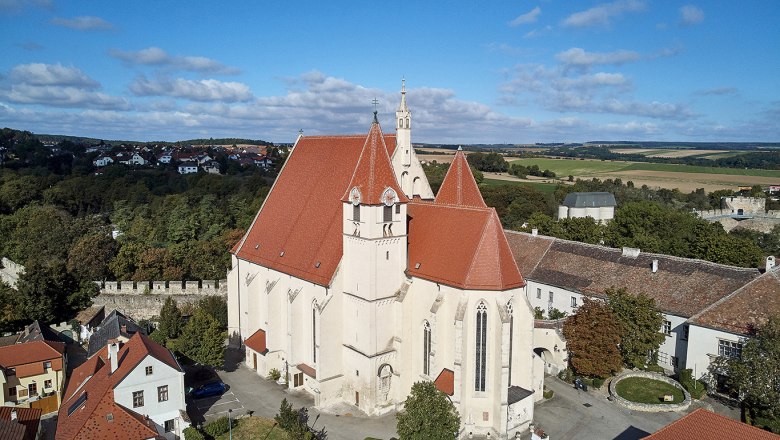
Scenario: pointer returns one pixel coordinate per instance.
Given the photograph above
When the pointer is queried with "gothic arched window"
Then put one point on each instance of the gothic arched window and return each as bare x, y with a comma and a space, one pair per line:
511, 331
427, 348
481, 347
314, 332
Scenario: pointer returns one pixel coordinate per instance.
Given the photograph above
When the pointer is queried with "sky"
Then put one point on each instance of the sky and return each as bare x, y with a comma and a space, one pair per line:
476, 71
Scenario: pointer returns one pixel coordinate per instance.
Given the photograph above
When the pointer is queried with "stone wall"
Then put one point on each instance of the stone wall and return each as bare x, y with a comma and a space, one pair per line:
648, 407
749, 205
144, 299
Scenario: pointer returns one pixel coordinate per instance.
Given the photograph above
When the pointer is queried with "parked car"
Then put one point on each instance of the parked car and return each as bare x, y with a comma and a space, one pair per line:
208, 390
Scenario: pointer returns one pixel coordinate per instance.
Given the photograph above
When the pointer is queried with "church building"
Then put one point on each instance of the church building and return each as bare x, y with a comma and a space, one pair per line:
354, 282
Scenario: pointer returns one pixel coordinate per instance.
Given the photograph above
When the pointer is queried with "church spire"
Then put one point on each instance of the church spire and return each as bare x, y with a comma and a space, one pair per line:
402, 107
403, 128
459, 187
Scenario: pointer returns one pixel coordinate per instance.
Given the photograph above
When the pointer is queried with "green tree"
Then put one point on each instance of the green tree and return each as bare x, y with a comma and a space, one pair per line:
756, 374
49, 293
640, 320
202, 340
427, 414
216, 306
8, 313
89, 257
170, 319
294, 422
592, 338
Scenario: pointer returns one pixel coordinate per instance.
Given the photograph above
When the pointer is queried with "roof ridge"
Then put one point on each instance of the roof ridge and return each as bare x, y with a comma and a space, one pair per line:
459, 186
372, 168
732, 294
544, 254
477, 249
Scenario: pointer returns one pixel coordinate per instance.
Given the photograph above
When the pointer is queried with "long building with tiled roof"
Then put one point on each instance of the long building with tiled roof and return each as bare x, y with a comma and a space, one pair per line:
355, 283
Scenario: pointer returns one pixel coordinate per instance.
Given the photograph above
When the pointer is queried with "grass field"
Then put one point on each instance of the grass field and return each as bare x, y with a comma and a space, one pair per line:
646, 390
543, 187
250, 428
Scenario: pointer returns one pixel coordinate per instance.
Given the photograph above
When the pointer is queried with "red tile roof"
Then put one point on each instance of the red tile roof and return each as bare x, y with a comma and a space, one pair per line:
30, 352
301, 216
459, 186
745, 309
461, 247
25, 427
445, 382
94, 380
374, 171
257, 342
703, 424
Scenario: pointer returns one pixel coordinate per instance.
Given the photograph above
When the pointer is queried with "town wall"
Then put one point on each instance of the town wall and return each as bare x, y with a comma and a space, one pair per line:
144, 299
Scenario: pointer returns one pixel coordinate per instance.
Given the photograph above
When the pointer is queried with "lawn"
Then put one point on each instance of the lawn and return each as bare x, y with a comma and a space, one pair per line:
251, 428
543, 187
646, 390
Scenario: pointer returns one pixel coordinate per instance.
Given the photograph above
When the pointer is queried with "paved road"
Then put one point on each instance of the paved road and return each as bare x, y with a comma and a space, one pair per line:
574, 414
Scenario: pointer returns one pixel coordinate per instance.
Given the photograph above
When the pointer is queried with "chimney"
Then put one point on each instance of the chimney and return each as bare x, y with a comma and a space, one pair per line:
13, 414
113, 354
534, 232
655, 266
770, 263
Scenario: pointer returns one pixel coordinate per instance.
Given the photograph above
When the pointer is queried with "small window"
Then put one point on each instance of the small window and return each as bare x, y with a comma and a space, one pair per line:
170, 425
46, 365
387, 255
10, 372
667, 328
729, 349
110, 417
149, 370
356, 213
686, 332
675, 361
47, 383
138, 399
397, 208
12, 392
388, 214
539, 293
551, 297
162, 393
32, 389
574, 301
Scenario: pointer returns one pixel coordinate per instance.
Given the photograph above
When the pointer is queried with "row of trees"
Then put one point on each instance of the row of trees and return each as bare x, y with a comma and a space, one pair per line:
202, 337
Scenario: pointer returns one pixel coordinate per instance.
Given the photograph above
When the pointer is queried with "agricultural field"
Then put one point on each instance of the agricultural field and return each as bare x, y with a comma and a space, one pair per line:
673, 153
686, 178
542, 187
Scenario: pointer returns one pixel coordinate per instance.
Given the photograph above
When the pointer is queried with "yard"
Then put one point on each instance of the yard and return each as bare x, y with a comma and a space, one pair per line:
646, 390
250, 428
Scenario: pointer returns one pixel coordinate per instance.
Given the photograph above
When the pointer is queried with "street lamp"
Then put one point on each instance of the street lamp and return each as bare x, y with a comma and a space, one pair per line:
230, 423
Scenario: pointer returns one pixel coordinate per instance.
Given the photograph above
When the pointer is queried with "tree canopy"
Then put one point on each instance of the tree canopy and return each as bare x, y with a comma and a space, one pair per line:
427, 415
592, 338
640, 321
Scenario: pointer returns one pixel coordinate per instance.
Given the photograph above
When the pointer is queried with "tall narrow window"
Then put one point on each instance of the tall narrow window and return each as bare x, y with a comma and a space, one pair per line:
356, 213
388, 214
427, 348
481, 352
314, 334
511, 332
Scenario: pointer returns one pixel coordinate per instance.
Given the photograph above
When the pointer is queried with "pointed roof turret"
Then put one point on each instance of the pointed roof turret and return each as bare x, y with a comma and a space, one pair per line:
374, 173
402, 106
459, 187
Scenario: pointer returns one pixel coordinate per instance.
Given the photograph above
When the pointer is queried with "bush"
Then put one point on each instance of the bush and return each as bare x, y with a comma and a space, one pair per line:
695, 387
191, 433
158, 337
566, 375
219, 426
587, 381
274, 374
598, 382
548, 393
655, 368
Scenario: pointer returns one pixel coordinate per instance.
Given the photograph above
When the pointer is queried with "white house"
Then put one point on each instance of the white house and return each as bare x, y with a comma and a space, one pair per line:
598, 205
103, 160
133, 391
355, 283
188, 167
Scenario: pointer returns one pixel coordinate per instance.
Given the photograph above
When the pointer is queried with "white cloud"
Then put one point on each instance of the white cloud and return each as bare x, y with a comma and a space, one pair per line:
690, 14
602, 14
18, 5
529, 17
83, 23
154, 56
55, 96
196, 90
581, 58
38, 74
718, 91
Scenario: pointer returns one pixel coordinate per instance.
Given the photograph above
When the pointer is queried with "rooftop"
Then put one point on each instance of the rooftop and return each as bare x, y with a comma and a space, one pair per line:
703, 424
589, 200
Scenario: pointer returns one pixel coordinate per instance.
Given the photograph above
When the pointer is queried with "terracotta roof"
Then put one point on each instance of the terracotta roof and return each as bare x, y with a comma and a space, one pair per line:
703, 424
459, 186
374, 171
747, 308
461, 247
301, 216
85, 316
257, 342
25, 427
30, 352
445, 382
681, 286
94, 383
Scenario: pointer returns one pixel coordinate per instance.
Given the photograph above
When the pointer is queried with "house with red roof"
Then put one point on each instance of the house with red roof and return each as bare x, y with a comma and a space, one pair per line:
32, 374
704, 424
132, 391
355, 282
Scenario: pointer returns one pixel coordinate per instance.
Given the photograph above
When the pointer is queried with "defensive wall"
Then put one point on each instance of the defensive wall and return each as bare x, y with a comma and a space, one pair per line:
144, 299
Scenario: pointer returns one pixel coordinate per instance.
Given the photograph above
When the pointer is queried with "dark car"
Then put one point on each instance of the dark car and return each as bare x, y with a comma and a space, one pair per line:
208, 389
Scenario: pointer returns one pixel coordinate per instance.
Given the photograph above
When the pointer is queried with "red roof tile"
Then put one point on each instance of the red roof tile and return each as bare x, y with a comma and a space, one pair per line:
307, 370
257, 342
445, 382
94, 380
747, 308
30, 352
459, 187
25, 427
461, 247
374, 171
301, 216
703, 424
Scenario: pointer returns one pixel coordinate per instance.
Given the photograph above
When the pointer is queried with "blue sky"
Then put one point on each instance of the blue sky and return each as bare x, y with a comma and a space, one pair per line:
493, 71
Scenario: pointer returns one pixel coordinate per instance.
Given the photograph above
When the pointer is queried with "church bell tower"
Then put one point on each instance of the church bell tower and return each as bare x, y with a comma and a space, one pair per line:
403, 128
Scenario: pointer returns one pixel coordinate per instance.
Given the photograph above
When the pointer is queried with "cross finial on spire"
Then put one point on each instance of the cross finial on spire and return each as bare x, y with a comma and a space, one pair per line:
376, 120
375, 102
403, 85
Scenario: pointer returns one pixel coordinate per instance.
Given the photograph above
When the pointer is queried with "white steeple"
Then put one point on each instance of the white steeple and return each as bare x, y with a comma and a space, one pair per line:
403, 128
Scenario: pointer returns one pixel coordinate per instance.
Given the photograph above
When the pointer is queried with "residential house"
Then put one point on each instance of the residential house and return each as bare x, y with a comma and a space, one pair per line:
165, 157
188, 167
600, 206
103, 160
704, 424
89, 320
33, 332
115, 326
211, 167
32, 374
128, 391
19, 423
